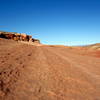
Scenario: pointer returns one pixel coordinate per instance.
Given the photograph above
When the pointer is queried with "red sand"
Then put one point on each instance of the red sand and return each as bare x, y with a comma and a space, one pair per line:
30, 72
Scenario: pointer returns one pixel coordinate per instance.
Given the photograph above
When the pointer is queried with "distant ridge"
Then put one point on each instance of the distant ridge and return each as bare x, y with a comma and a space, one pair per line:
95, 46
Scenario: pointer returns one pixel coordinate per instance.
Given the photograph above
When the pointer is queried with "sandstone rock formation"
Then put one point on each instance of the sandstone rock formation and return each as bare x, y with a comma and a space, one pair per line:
18, 37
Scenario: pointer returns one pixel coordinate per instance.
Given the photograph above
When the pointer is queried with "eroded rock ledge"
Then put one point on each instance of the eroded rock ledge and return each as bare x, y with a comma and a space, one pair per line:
18, 37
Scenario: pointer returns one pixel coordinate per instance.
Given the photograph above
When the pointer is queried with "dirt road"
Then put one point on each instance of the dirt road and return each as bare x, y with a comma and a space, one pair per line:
29, 72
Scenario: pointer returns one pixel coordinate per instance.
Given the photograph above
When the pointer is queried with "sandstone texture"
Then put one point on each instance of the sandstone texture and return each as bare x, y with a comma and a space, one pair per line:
18, 37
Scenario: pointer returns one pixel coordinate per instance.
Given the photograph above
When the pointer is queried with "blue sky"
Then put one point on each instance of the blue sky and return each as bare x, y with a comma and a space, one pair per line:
67, 22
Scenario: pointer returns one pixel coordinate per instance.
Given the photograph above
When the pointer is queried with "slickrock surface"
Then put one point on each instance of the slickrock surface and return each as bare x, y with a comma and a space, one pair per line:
30, 72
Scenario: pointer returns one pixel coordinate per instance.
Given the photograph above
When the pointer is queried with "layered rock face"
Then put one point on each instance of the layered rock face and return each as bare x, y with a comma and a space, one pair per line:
18, 37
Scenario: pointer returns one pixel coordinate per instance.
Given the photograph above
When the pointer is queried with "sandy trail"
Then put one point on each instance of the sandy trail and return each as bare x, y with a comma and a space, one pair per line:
74, 62
30, 72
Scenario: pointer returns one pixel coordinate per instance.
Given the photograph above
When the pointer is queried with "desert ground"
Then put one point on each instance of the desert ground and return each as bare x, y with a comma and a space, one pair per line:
47, 72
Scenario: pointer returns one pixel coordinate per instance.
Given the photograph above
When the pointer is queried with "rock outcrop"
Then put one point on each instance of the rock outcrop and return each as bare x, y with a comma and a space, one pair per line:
18, 37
